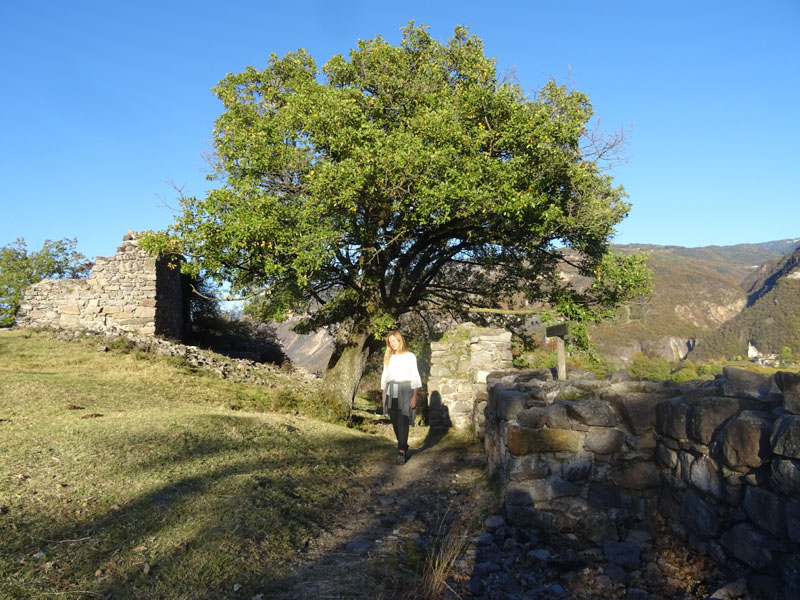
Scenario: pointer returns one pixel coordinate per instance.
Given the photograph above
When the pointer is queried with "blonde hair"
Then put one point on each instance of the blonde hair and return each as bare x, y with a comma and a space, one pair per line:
401, 350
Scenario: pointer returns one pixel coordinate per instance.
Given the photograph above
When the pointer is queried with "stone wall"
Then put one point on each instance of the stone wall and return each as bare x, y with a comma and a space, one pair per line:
130, 291
460, 363
718, 462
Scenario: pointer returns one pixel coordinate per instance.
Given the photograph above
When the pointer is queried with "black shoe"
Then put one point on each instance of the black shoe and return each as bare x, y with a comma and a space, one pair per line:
401, 458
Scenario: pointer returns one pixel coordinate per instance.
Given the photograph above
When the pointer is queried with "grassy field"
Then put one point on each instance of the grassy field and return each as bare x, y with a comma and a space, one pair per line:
124, 475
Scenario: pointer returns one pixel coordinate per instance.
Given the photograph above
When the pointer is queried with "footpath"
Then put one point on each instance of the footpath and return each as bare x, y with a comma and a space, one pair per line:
439, 504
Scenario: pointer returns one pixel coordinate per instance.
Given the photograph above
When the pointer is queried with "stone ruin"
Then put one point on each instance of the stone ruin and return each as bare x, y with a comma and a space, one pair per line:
128, 292
717, 462
460, 364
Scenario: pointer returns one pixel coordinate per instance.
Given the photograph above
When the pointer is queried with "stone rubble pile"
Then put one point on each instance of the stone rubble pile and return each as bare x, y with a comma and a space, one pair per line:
233, 369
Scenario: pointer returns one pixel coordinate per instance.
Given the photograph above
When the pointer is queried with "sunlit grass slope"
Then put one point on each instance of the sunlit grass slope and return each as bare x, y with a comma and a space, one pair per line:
127, 475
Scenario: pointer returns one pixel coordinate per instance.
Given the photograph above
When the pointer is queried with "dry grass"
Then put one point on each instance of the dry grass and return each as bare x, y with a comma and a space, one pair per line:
131, 476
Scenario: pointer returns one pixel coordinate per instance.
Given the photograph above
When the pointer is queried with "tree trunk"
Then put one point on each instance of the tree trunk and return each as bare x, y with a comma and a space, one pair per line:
346, 365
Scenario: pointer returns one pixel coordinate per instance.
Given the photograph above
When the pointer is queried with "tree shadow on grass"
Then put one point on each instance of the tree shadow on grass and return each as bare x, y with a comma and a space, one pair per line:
209, 523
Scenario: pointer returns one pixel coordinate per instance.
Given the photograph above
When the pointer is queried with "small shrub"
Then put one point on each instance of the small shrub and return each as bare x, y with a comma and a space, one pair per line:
646, 367
685, 374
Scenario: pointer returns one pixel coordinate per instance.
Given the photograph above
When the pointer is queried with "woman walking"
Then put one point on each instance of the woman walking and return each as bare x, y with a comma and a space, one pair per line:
400, 381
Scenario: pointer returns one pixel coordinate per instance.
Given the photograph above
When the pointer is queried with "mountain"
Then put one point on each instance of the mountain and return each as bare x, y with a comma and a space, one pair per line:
697, 291
769, 321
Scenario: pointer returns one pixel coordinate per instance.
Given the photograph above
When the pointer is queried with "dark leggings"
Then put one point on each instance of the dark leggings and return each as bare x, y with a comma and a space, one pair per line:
399, 424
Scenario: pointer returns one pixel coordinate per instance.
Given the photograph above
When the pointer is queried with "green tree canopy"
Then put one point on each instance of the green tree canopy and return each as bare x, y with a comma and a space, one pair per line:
20, 268
403, 178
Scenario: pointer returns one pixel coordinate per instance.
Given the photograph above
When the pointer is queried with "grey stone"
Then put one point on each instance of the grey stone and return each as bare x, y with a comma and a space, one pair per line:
604, 440
577, 469
790, 574
704, 475
531, 466
699, 515
598, 528
785, 476
765, 509
620, 375
638, 409
745, 441
785, 438
742, 383
509, 403
789, 384
603, 495
749, 545
640, 476
592, 412
707, 415
793, 520
671, 418
730, 591
615, 572
494, 522
358, 546
624, 554
666, 456
645, 441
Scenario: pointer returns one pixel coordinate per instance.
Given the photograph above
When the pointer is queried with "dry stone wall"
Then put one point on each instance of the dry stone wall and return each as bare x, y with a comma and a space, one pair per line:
460, 363
130, 291
718, 462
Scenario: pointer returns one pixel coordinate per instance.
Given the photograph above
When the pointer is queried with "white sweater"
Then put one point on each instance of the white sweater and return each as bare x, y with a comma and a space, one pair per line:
401, 367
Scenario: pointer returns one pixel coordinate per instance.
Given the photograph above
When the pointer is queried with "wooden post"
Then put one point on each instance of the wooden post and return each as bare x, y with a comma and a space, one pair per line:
558, 332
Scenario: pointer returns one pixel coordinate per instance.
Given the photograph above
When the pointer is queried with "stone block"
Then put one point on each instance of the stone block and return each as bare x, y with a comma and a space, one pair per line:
592, 411
534, 417
68, 309
785, 476
605, 495
577, 469
785, 437
707, 416
638, 409
604, 440
509, 403
698, 515
765, 509
535, 466
641, 476
666, 456
749, 545
705, 476
745, 440
624, 554
523, 440
793, 520
741, 383
789, 384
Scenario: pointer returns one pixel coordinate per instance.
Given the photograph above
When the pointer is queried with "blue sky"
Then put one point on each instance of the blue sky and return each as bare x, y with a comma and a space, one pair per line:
105, 105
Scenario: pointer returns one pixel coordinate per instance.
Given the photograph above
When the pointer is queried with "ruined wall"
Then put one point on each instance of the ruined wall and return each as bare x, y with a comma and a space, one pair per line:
718, 462
460, 363
129, 291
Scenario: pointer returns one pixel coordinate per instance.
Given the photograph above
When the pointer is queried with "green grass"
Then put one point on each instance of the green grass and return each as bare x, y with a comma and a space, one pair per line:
183, 487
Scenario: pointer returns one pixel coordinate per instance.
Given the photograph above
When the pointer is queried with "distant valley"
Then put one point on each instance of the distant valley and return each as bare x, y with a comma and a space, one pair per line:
711, 302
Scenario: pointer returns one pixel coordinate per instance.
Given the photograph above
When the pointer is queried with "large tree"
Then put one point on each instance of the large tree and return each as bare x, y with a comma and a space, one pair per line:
398, 179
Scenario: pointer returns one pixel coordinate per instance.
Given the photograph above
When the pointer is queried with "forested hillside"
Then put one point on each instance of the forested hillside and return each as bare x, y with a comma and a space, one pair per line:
720, 297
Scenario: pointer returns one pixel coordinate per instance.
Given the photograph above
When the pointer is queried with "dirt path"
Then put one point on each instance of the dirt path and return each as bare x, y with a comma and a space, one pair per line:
377, 546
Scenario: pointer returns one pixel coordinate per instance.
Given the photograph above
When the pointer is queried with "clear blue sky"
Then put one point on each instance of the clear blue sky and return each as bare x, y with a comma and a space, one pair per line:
104, 103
